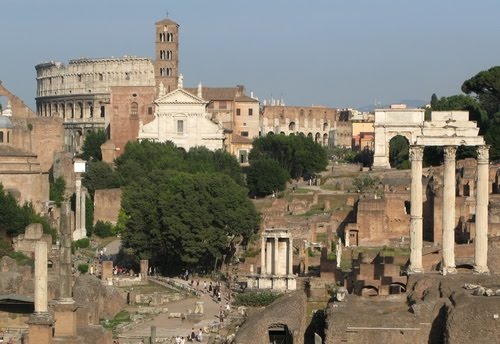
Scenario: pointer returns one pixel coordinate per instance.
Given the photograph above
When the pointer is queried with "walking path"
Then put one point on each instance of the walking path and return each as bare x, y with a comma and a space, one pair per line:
171, 327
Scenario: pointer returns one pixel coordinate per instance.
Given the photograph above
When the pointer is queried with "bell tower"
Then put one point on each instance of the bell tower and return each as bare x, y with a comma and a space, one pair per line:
167, 54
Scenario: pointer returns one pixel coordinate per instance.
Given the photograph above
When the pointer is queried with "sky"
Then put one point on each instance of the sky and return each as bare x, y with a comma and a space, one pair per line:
337, 53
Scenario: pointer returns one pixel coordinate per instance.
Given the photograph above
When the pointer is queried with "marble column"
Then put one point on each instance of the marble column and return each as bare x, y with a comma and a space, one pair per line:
276, 256
269, 257
448, 263
83, 229
290, 256
416, 227
482, 191
41, 277
40, 322
263, 256
78, 219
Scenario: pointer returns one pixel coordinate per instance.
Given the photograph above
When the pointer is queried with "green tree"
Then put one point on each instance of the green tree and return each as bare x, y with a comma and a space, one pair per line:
296, 154
57, 189
398, 152
180, 219
266, 176
100, 176
486, 86
14, 218
91, 149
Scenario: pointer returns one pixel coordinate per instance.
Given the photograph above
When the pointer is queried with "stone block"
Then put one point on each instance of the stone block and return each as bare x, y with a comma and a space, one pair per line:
33, 231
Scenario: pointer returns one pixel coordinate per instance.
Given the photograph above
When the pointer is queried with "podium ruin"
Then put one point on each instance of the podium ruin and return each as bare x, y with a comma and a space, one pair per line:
276, 254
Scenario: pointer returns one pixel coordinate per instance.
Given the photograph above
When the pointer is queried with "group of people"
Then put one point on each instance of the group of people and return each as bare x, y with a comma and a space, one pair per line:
193, 336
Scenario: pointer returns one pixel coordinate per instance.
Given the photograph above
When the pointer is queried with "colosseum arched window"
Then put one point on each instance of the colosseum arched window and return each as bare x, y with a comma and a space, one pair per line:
1, 136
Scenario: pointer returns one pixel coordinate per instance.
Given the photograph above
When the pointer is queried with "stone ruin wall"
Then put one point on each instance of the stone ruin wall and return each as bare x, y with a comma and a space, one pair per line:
107, 205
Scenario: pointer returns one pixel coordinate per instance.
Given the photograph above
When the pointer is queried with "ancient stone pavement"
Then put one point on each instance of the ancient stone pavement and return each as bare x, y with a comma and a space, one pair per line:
171, 327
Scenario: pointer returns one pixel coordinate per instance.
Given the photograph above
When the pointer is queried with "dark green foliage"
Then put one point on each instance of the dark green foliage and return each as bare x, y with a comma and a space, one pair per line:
100, 176
256, 299
182, 209
364, 157
91, 149
89, 216
486, 86
296, 154
15, 218
83, 268
398, 152
103, 229
266, 176
82, 243
57, 189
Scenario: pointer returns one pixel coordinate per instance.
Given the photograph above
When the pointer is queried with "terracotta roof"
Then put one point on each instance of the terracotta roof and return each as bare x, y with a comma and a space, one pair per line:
166, 21
215, 93
245, 98
241, 139
7, 150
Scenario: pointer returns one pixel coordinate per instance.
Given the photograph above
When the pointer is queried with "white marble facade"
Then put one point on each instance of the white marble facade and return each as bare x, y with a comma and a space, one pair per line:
182, 118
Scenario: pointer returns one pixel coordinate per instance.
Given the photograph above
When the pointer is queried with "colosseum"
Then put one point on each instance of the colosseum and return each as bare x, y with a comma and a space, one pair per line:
112, 94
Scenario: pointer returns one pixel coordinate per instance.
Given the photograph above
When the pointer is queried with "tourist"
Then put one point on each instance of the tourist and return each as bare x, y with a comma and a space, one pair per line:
204, 286
227, 307
193, 335
219, 297
177, 339
183, 341
199, 337
210, 287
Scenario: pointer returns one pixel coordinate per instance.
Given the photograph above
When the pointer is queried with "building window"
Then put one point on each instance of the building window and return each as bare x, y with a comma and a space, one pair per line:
244, 133
103, 111
238, 112
180, 127
62, 79
169, 71
162, 71
79, 77
150, 110
250, 112
170, 37
127, 76
169, 54
162, 37
134, 109
1, 136
222, 104
162, 54
8, 136
243, 156
101, 77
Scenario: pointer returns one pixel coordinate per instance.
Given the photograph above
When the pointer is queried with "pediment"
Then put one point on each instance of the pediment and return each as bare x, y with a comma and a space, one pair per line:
180, 96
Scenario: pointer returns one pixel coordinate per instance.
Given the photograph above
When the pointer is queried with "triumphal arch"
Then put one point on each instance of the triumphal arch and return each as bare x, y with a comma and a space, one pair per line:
448, 129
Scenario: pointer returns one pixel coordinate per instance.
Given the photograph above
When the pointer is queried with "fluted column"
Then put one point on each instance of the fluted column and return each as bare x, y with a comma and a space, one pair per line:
416, 227
290, 256
269, 257
482, 191
276, 256
41, 277
78, 210
448, 264
263, 256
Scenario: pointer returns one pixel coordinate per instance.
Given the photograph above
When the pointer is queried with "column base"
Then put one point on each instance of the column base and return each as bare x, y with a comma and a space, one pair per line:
414, 270
448, 270
481, 270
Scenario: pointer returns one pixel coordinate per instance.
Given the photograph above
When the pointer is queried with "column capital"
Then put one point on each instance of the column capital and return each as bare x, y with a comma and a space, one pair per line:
416, 152
483, 155
450, 152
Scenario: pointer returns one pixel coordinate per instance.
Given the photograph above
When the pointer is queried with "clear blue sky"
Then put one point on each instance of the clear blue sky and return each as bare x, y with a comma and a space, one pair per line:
337, 53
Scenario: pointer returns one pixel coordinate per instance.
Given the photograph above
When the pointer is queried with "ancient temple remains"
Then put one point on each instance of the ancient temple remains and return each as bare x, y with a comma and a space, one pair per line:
276, 262
448, 129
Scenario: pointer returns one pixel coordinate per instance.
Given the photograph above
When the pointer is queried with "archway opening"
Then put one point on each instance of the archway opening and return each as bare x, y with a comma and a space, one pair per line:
279, 334
369, 290
399, 152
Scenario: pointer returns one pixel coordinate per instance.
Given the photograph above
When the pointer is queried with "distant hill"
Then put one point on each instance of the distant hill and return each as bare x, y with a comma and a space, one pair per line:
410, 103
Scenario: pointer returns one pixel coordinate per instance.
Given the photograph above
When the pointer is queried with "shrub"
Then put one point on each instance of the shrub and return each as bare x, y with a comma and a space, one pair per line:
82, 243
256, 299
83, 268
103, 229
